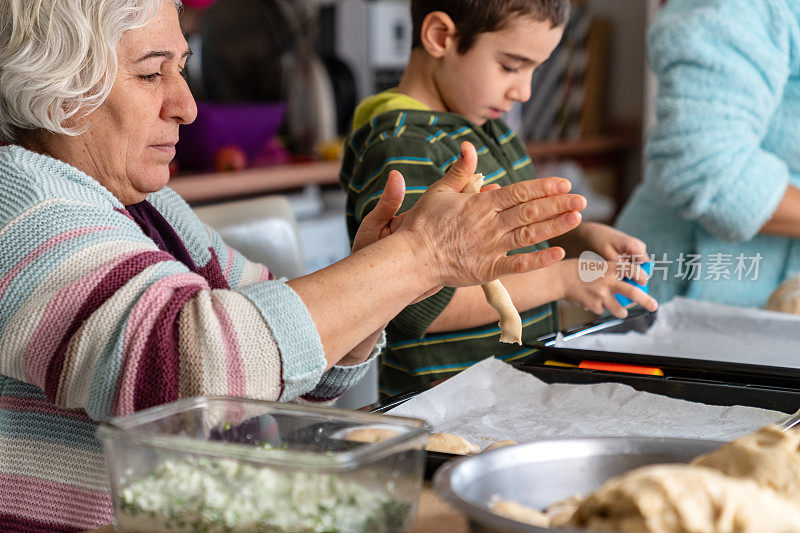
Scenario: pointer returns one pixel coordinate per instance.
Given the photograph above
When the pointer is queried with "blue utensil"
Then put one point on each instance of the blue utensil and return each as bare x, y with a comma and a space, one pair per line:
624, 300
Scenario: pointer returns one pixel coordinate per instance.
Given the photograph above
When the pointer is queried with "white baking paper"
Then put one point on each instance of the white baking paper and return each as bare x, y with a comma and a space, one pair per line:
493, 401
713, 332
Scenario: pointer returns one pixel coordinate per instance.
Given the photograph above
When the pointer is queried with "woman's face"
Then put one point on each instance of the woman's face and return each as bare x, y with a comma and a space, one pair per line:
130, 139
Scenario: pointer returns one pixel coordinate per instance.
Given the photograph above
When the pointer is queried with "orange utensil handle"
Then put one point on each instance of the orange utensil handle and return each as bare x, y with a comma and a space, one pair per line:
619, 367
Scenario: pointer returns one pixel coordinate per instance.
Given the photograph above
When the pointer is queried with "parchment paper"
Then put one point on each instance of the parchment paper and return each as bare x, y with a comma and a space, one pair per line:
493, 401
702, 330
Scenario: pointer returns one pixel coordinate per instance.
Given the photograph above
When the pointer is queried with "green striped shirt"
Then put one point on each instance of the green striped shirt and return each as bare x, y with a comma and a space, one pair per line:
422, 145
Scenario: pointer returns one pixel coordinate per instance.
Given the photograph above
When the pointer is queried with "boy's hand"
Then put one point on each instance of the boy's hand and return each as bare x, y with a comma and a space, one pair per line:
597, 295
613, 244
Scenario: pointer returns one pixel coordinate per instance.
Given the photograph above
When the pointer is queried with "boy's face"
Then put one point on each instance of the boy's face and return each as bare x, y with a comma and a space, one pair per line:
496, 72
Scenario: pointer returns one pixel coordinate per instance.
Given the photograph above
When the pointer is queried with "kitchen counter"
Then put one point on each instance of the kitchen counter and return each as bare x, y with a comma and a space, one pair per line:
433, 516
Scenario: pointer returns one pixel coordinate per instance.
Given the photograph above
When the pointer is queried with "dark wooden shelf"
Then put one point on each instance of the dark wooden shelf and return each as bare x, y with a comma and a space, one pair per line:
196, 188
613, 151
600, 145
209, 187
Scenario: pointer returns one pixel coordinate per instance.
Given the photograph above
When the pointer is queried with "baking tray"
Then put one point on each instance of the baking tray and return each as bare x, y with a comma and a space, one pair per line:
695, 380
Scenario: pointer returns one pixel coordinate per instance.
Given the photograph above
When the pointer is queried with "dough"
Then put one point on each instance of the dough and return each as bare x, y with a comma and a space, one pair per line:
684, 499
770, 457
747, 486
500, 444
561, 512
517, 511
437, 442
497, 295
557, 515
371, 434
510, 322
448, 443
786, 297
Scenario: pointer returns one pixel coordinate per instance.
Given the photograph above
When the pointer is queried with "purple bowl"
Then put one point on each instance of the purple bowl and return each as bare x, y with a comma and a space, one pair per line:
249, 126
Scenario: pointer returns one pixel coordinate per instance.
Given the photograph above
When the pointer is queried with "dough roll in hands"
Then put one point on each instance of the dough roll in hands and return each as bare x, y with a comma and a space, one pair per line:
496, 295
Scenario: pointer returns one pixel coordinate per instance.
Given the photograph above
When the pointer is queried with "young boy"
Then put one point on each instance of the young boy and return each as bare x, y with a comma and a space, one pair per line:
471, 61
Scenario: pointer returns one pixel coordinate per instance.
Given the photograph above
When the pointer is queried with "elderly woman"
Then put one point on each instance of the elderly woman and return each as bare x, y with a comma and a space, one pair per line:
114, 297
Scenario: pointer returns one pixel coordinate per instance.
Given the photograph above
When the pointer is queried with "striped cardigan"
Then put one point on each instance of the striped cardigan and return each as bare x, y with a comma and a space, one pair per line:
97, 321
423, 145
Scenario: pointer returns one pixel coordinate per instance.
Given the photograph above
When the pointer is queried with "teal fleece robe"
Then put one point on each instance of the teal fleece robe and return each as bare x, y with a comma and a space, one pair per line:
725, 147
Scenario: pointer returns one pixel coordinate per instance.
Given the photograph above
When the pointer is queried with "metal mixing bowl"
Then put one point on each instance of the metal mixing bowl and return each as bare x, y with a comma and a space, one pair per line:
540, 473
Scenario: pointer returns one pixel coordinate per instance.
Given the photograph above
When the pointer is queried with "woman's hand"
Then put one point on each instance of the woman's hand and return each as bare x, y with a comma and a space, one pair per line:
362, 351
378, 222
381, 221
598, 295
462, 240
447, 238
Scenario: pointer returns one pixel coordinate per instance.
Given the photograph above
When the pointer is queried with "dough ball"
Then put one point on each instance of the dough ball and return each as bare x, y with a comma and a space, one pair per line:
786, 297
770, 457
684, 499
448, 443
437, 442
500, 444
517, 511
560, 513
371, 434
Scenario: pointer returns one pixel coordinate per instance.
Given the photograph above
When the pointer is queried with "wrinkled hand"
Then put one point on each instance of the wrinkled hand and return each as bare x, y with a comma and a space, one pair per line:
462, 240
381, 221
378, 222
598, 295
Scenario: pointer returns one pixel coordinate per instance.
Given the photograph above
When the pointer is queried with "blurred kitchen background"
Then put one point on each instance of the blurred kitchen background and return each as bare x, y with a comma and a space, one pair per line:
277, 82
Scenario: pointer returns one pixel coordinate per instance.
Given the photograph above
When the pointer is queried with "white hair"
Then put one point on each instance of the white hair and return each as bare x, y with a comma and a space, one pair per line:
58, 58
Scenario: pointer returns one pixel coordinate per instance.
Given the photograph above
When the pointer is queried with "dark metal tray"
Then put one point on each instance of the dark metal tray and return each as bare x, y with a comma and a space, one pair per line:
709, 382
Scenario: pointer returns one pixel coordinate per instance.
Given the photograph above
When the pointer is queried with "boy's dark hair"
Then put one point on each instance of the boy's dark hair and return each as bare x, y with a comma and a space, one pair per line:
473, 17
